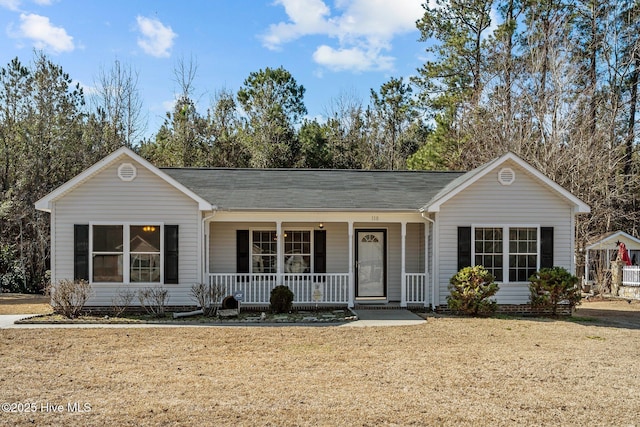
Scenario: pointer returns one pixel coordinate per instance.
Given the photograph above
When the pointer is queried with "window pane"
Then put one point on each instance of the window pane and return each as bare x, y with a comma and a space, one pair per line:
145, 238
523, 253
107, 238
107, 268
297, 257
145, 268
263, 251
296, 264
522, 247
488, 249
522, 275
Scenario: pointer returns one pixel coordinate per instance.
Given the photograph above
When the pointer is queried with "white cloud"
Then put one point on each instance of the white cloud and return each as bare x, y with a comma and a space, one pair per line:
14, 5
307, 16
157, 39
364, 29
169, 105
44, 34
10, 4
354, 59
88, 90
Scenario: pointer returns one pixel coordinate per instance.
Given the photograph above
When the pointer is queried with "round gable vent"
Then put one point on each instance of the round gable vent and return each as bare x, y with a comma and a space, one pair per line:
506, 176
127, 172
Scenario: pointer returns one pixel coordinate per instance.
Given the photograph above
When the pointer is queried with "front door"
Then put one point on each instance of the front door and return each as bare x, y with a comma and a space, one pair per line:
371, 262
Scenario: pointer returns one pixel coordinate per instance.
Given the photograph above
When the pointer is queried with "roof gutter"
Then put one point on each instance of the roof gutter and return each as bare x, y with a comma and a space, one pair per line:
408, 210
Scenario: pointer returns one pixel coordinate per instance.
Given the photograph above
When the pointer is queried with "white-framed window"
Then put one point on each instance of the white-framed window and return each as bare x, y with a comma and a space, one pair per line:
297, 251
145, 251
511, 253
264, 251
523, 253
488, 242
107, 253
126, 253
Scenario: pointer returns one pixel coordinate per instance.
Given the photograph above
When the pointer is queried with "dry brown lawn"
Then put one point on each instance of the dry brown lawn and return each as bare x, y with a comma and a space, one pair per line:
24, 304
449, 371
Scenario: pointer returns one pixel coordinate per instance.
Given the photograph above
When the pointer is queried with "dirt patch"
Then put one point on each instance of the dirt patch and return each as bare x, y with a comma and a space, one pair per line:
24, 304
611, 312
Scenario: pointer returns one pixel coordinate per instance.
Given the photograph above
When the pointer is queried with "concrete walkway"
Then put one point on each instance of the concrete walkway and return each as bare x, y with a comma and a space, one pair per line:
397, 317
382, 317
6, 320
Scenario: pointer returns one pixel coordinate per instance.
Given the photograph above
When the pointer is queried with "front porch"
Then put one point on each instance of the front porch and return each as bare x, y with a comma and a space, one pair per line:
329, 261
309, 289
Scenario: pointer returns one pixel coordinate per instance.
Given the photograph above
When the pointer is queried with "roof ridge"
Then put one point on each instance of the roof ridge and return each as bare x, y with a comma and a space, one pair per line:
398, 171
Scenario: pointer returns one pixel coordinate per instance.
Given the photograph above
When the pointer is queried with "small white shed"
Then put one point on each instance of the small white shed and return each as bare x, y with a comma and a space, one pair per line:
603, 249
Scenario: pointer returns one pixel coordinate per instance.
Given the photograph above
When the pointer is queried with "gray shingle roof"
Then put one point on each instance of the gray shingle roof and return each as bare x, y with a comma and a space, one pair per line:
313, 189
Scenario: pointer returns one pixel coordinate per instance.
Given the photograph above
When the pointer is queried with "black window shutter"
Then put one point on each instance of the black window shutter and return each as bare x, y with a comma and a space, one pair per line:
464, 247
171, 254
546, 247
320, 251
81, 252
242, 251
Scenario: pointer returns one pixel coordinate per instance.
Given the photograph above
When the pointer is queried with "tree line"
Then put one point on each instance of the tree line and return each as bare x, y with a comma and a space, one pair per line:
553, 81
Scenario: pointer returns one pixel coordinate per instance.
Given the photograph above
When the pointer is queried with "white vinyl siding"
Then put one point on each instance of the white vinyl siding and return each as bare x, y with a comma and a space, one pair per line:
525, 201
147, 199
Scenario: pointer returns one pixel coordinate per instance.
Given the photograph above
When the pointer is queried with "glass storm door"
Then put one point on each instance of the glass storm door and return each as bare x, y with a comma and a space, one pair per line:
371, 263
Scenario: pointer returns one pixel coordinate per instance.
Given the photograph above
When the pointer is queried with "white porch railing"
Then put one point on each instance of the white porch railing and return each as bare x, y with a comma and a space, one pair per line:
417, 291
631, 275
331, 288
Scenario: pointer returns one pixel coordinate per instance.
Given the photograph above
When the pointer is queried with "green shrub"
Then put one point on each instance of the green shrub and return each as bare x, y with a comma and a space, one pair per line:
471, 289
281, 299
551, 286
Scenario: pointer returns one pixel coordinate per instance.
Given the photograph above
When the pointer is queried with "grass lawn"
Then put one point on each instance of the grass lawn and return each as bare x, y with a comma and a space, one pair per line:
24, 304
449, 371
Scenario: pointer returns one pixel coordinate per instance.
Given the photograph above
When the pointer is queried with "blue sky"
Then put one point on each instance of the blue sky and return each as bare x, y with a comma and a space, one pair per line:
334, 48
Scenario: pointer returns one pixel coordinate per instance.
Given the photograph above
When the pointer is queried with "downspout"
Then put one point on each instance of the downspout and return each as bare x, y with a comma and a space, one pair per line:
433, 254
205, 252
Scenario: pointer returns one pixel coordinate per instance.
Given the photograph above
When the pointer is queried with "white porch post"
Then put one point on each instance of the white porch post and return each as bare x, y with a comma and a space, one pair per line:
280, 252
403, 265
427, 280
586, 267
352, 283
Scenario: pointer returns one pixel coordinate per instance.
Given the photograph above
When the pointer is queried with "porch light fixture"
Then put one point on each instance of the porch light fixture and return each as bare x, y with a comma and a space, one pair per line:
321, 226
148, 228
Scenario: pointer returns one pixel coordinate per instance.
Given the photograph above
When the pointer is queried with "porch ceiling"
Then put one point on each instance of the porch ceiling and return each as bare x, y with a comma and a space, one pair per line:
317, 189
